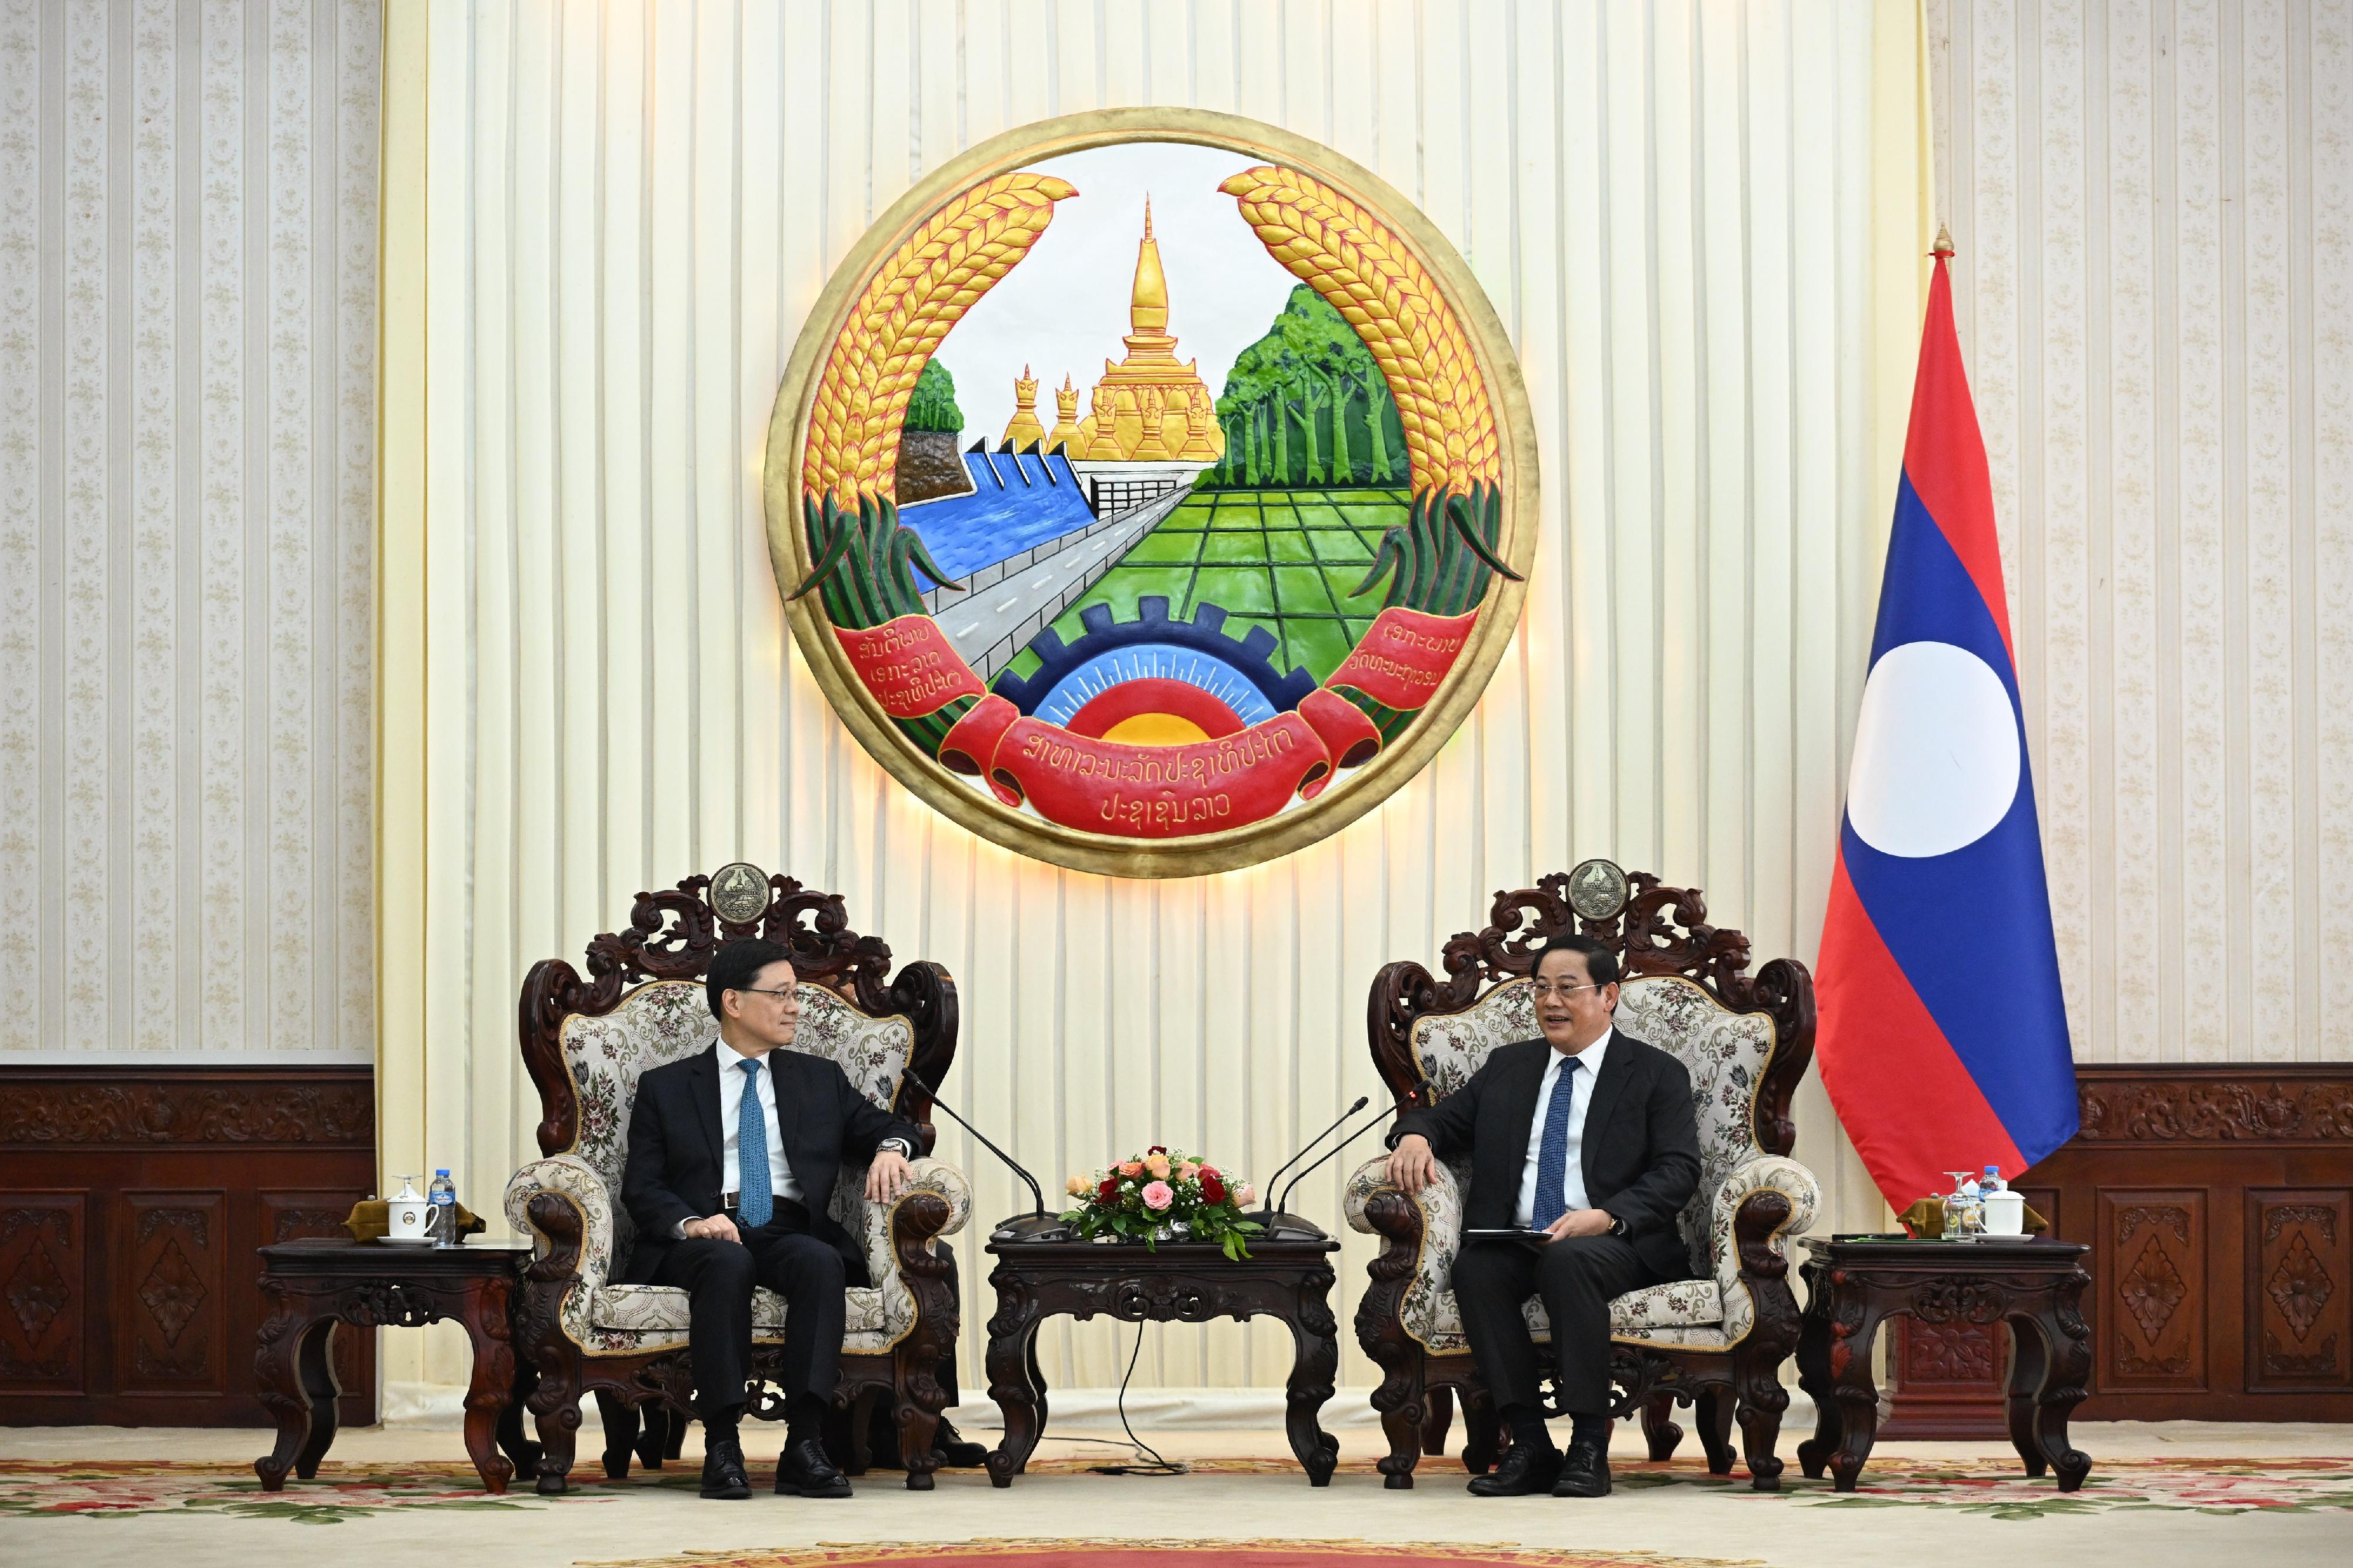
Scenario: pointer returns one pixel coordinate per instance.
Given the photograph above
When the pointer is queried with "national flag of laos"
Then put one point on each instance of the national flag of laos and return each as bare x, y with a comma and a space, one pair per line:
1941, 1036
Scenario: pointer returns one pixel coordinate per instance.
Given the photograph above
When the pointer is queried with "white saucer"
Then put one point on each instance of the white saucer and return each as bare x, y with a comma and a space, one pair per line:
406, 1240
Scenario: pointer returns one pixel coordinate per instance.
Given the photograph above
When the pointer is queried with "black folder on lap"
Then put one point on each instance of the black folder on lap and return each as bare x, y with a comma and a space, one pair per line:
1524, 1238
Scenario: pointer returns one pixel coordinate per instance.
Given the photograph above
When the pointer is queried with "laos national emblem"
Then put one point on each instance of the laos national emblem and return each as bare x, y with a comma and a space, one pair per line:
1228, 600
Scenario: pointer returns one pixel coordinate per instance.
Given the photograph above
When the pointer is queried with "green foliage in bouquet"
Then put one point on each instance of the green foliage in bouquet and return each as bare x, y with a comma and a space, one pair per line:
1164, 1189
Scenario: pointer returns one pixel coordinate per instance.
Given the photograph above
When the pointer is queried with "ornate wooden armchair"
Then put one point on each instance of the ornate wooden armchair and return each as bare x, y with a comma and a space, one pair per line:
585, 1041
1717, 1339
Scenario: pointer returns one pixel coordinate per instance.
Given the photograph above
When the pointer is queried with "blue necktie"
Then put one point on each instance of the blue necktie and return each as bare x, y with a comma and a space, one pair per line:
1552, 1160
751, 1151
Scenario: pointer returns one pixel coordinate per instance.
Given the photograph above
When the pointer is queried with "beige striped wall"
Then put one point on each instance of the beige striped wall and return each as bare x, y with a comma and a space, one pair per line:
2153, 201
188, 387
604, 224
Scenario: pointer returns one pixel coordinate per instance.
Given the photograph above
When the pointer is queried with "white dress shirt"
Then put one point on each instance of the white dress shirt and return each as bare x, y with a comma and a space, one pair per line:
781, 1184
1588, 1069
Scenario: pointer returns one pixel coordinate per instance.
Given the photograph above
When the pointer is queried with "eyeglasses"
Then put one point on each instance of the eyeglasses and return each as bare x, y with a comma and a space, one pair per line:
1546, 993
756, 991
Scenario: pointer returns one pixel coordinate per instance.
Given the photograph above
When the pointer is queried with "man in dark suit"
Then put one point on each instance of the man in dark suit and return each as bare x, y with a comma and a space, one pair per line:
734, 1153
1588, 1136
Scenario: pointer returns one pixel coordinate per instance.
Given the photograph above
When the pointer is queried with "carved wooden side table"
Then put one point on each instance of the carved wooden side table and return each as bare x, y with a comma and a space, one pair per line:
2034, 1286
312, 1286
1189, 1282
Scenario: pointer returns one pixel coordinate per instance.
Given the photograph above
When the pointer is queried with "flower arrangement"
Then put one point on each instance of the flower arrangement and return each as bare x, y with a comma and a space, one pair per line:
1163, 1194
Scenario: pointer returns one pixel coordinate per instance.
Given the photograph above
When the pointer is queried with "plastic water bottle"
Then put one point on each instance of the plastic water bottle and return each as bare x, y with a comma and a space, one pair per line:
444, 1198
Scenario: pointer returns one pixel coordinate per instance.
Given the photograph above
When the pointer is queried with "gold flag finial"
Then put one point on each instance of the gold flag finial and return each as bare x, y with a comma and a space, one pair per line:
1943, 246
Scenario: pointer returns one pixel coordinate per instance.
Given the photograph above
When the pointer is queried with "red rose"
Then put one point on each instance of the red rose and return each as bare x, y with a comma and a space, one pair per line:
1108, 1191
1158, 1148
1209, 1173
1212, 1189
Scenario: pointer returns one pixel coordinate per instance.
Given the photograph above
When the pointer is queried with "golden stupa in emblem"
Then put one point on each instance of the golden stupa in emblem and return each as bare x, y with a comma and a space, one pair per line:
1149, 408
1023, 427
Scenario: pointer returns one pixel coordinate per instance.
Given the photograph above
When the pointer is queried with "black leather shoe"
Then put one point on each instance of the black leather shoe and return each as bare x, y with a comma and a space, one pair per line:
803, 1471
1584, 1471
722, 1470
957, 1451
1521, 1472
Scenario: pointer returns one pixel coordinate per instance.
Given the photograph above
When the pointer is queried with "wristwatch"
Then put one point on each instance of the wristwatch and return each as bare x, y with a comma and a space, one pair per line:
897, 1145
1617, 1225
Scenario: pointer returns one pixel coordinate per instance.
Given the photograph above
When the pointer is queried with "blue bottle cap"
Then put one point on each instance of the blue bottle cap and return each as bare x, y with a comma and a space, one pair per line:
444, 1171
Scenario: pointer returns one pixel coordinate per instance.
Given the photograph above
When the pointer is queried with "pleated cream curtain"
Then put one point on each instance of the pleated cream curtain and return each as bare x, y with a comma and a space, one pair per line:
1703, 224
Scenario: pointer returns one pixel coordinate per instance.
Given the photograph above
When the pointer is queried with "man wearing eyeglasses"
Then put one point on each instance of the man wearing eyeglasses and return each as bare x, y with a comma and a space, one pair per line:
734, 1153
1588, 1137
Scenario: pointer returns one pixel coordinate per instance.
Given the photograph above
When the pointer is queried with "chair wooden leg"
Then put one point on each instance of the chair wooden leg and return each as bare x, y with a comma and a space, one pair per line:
556, 1404
676, 1442
1757, 1381
1659, 1428
1399, 1401
1482, 1435
1438, 1415
621, 1423
1713, 1409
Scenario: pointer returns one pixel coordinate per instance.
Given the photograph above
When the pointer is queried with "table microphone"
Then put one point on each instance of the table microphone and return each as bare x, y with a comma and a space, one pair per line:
1343, 1143
1267, 1192
1035, 1225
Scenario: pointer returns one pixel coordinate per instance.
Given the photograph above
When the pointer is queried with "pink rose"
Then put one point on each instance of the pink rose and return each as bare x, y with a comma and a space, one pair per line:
1158, 1195
1192, 1169
1246, 1194
1132, 1168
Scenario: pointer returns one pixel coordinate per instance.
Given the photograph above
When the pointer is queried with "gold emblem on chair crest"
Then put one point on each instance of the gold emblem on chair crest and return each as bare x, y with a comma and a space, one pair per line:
739, 893
1597, 890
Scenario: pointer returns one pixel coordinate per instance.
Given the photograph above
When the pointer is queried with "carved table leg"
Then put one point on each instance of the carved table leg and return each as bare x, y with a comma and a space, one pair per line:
282, 1377
2027, 1363
1814, 1377
490, 1387
1660, 1433
1009, 1361
2067, 1347
1038, 1382
1853, 1392
521, 1450
1315, 1360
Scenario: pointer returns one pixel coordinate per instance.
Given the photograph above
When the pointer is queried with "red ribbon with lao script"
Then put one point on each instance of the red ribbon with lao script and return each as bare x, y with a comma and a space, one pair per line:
1403, 655
908, 666
1155, 792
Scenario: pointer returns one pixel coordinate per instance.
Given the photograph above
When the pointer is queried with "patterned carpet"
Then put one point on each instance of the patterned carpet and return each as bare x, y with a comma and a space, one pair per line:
1094, 1552
123, 1489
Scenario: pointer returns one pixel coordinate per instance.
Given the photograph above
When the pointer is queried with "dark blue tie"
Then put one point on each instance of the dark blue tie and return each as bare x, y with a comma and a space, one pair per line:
1552, 1160
751, 1151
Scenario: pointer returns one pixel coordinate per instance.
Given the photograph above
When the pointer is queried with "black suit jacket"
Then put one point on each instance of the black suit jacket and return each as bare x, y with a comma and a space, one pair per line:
676, 1168
1639, 1153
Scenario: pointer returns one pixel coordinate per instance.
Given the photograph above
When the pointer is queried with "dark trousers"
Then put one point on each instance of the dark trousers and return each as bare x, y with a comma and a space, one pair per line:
1576, 1277
719, 1278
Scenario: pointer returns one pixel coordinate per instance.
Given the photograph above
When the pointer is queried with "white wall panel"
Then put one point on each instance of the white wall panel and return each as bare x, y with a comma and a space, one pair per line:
629, 209
187, 390
2148, 197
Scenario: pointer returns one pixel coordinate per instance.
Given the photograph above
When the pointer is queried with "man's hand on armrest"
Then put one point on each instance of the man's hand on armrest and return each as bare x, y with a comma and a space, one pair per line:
1411, 1164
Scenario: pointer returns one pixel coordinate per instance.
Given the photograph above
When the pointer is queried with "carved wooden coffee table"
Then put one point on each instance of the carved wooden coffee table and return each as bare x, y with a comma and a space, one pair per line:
1191, 1282
2035, 1286
309, 1287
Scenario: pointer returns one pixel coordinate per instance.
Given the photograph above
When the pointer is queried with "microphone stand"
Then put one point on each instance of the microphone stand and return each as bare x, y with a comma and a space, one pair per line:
1343, 1143
1035, 1225
1267, 1213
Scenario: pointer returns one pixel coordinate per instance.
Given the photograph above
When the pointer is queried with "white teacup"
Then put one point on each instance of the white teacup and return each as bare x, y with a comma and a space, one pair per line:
2005, 1214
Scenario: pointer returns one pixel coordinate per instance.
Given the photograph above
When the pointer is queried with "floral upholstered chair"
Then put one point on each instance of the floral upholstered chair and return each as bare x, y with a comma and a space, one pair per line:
586, 1043
1716, 1340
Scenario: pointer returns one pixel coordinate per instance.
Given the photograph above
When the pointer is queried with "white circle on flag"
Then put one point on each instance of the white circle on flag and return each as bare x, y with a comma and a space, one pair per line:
1936, 752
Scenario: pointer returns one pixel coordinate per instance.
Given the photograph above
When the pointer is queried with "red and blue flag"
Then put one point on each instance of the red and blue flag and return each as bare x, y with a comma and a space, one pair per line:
1942, 1034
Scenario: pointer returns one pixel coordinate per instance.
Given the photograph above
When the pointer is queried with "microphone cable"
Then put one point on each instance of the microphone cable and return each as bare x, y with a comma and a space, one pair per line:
1159, 1465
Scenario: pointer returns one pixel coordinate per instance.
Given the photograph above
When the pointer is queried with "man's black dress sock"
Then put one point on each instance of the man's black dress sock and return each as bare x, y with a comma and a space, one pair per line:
1587, 1428
804, 1419
1528, 1429
720, 1426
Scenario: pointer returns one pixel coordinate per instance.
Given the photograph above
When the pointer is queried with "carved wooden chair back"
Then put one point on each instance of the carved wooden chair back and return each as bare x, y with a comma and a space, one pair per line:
1745, 1041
